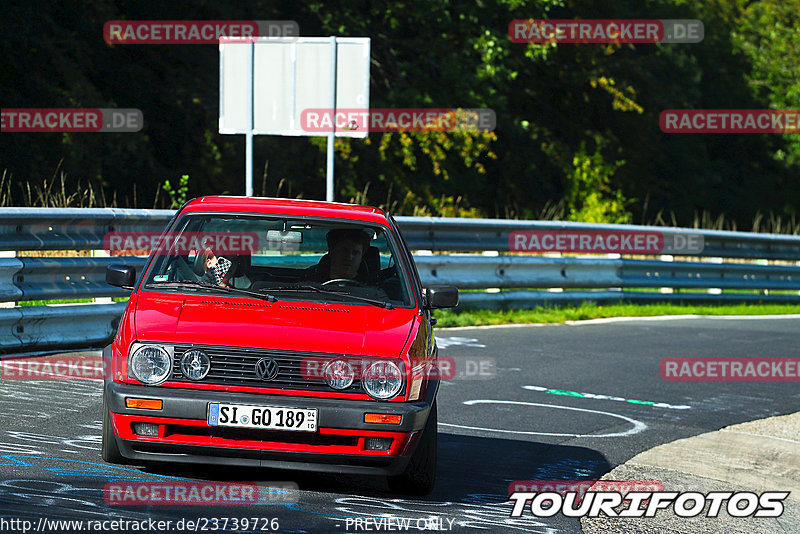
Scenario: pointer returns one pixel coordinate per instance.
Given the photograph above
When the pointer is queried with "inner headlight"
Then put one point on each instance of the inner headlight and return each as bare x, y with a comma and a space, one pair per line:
150, 364
382, 379
195, 364
338, 374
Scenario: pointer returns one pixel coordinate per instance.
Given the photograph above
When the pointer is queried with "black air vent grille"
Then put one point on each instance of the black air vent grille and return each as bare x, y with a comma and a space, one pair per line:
231, 303
307, 308
236, 366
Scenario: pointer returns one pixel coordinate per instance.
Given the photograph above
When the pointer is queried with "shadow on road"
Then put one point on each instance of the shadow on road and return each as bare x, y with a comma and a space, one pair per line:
470, 469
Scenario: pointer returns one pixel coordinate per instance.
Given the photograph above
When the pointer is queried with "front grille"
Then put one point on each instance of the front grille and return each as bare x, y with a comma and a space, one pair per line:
236, 366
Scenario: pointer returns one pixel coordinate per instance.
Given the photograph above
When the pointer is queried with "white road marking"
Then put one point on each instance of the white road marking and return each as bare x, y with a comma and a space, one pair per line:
679, 317
490, 326
638, 426
621, 319
444, 342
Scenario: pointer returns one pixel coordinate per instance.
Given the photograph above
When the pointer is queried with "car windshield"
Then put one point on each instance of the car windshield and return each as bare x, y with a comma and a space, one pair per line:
284, 258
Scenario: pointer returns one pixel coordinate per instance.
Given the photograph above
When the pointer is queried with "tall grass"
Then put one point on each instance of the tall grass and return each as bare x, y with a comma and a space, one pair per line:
54, 193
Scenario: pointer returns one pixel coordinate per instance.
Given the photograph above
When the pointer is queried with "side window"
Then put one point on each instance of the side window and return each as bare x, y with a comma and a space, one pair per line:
407, 253
386, 258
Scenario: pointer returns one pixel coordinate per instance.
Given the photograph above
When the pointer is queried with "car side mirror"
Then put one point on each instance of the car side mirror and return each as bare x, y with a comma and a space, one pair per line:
121, 276
441, 297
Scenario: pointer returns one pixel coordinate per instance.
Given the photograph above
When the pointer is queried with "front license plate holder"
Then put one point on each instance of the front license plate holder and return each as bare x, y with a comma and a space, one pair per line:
262, 417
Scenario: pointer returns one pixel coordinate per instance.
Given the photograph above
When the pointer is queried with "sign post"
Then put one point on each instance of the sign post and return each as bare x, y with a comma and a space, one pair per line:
266, 84
248, 143
332, 135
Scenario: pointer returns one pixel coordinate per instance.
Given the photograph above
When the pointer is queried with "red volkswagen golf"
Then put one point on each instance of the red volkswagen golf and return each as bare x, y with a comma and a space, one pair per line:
277, 333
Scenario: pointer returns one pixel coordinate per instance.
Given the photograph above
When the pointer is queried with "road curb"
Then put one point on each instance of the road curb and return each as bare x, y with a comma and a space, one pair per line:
757, 456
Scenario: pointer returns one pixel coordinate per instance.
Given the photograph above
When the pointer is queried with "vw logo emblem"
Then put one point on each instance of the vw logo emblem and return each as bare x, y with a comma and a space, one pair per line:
267, 368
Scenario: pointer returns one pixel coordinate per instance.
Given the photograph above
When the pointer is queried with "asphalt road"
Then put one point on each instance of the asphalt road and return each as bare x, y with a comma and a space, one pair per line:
515, 420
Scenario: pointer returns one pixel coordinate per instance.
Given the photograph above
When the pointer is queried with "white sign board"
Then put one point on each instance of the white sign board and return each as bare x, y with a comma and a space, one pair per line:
289, 75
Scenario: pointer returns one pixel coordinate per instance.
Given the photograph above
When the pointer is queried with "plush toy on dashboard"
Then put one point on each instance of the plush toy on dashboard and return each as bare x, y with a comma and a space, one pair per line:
217, 268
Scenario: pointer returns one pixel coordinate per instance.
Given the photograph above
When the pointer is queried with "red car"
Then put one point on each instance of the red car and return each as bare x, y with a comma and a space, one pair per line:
277, 333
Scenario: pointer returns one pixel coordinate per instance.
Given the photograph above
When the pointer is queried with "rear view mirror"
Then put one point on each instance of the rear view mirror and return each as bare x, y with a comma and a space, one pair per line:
285, 241
441, 297
286, 236
121, 276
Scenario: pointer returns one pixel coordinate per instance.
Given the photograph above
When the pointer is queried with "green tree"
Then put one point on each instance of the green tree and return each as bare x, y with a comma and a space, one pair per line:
590, 197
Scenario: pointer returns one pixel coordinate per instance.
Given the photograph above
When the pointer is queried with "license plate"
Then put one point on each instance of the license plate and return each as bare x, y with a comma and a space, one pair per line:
263, 417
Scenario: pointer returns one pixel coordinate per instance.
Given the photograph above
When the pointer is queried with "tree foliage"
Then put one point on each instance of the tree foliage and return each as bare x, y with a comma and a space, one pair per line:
567, 114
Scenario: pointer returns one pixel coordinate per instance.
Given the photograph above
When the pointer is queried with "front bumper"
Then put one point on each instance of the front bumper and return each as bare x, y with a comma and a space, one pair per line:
338, 445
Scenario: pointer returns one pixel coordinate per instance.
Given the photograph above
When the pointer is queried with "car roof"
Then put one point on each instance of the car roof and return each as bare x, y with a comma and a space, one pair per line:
286, 206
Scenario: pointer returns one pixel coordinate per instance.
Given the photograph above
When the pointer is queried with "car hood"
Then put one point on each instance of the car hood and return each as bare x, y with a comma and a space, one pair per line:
362, 330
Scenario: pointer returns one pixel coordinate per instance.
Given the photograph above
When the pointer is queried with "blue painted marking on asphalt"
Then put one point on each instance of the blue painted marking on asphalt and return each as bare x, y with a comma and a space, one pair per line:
111, 473
11, 458
92, 472
569, 469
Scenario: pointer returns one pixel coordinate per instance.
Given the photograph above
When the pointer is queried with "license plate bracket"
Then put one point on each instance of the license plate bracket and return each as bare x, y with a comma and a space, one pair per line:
262, 417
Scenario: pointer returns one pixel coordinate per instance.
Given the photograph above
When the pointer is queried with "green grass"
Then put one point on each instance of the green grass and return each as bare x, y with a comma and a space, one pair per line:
473, 317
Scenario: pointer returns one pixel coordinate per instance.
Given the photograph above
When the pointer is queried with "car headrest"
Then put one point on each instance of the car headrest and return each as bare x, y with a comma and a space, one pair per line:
372, 259
243, 262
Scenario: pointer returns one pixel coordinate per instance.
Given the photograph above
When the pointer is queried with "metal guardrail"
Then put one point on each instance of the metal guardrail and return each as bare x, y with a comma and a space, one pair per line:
84, 228
453, 234
599, 279
23, 279
480, 272
71, 326
72, 228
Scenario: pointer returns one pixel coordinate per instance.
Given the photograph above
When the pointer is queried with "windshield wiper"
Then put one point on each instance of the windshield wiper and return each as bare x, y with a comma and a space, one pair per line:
203, 285
306, 287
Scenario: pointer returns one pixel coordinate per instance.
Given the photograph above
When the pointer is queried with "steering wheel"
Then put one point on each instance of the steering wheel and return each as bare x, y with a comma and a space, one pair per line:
199, 264
343, 281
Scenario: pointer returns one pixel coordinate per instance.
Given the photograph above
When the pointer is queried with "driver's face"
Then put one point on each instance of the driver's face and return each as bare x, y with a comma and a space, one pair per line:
346, 258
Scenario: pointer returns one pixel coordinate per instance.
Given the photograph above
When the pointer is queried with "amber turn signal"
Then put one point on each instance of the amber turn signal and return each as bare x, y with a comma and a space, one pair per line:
387, 418
145, 404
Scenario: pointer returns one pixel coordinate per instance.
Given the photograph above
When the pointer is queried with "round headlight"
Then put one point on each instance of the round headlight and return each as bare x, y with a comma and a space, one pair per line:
382, 379
338, 374
195, 364
151, 365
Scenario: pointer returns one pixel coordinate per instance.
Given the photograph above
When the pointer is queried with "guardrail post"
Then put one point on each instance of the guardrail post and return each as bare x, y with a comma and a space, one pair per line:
101, 300
715, 290
667, 258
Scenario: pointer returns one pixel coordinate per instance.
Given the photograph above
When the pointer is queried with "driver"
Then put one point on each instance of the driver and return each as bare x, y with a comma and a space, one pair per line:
346, 248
